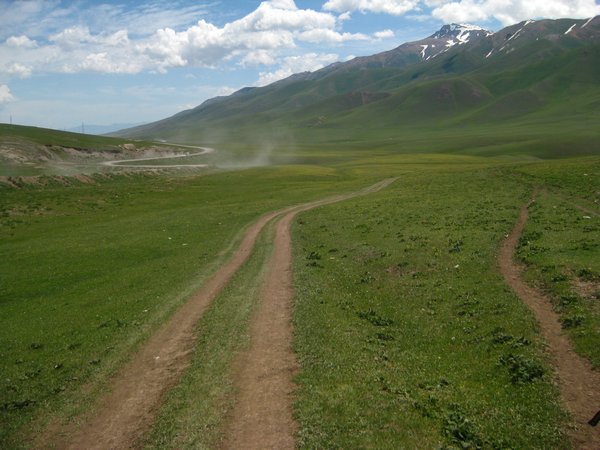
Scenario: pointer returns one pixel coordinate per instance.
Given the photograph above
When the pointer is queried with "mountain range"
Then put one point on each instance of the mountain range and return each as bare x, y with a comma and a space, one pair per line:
523, 82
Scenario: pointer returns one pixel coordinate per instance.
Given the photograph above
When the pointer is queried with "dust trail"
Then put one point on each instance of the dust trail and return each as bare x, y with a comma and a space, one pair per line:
579, 383
262, 417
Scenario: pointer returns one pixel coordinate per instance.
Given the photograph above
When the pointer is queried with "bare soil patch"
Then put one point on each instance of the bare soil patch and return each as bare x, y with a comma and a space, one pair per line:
587, 289
579, 383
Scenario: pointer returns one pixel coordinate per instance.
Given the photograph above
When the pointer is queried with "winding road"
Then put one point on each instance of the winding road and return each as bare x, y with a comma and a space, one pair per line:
123, 162
263, 414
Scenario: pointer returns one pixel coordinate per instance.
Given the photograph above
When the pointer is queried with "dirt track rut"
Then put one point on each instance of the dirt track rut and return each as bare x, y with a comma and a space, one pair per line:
579, 383
262, 417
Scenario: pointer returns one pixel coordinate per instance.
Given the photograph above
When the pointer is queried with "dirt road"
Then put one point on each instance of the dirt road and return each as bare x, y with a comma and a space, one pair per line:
262, 417
579, 383
127, 412
123, 162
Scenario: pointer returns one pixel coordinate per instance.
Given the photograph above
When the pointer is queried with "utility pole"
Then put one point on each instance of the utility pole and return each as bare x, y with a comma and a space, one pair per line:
11, 119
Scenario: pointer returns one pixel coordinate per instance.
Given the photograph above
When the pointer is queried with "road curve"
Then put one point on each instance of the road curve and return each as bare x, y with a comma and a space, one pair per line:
123, 162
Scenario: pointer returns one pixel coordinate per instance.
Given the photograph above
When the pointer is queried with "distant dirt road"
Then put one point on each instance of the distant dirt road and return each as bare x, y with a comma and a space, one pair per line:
123, 162
579, 382
127, 412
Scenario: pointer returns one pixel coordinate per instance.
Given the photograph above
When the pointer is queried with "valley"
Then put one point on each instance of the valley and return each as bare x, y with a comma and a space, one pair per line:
398, 251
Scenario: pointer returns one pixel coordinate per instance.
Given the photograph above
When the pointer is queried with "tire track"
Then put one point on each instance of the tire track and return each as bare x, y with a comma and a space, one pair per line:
579, 383
262, 417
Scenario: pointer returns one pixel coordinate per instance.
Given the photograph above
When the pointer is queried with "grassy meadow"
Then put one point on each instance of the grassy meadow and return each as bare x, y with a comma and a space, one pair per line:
406, 333
89, 271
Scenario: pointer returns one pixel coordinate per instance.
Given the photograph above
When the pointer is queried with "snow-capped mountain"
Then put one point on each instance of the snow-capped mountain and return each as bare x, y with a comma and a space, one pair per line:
440, 42
460, 70
448, 36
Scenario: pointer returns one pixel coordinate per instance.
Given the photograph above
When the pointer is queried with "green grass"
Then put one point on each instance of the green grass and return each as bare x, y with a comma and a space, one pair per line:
89, 271
406, 333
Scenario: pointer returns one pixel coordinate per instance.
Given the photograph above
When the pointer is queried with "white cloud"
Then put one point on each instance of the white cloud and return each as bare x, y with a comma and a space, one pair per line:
282, 14
102, 62
511, 11
255, 39
384, 34
5, 95
21, 41
258, 58
330, 36
19, 70
296, 64
394, 7
273, 29
75, 37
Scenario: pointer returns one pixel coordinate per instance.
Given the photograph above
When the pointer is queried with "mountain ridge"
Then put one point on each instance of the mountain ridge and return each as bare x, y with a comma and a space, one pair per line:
524, 73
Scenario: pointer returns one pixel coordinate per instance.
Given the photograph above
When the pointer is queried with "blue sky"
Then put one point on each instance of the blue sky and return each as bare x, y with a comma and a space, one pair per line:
67, 62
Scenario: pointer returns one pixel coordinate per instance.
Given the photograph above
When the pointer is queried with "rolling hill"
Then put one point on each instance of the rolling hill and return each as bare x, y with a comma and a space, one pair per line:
510, 87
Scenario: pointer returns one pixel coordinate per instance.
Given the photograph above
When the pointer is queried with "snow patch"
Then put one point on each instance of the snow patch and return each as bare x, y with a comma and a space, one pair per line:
490, 53
423, 51
465, 27
570, 29
450, 43
588, 21
463, 37
514, 35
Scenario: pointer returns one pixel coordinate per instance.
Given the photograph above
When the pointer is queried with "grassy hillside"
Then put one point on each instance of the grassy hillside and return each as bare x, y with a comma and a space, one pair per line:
27, 151
536, 77
44, 136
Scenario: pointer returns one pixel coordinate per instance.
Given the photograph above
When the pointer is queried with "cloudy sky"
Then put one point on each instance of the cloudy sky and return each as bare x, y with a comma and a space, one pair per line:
116, 61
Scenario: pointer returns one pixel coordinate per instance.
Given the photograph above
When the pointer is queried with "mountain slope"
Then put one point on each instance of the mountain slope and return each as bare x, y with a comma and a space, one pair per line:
535, 72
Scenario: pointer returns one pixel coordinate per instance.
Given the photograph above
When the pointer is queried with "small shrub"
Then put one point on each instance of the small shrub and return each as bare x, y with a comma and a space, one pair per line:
314, 256
573, 321
522, 369
374, 319
460, 430
587, 274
